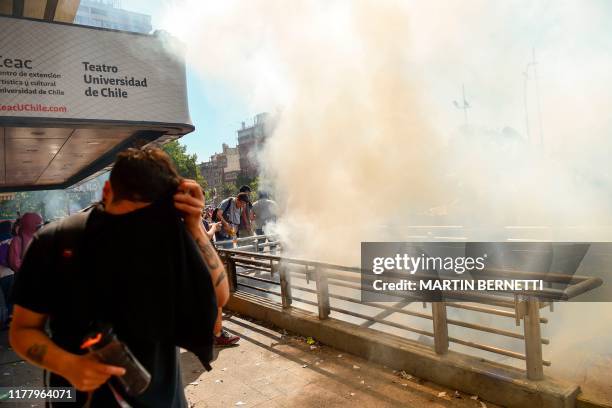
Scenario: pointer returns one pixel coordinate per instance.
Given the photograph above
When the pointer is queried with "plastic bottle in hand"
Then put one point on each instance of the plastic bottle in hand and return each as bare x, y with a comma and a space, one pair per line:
110, 350
234, 237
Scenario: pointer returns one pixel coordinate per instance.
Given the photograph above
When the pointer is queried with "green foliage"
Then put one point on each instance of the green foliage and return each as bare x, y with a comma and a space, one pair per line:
30, 201
53, 204
228, 190
210, 197
242, 180
186, 164
254, 184
50, 204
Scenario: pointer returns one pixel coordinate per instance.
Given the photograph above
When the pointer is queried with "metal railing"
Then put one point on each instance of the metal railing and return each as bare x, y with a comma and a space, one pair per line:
284, 271
257, 243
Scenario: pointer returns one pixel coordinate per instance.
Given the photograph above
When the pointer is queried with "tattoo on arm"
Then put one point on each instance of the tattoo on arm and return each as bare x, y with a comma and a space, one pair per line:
220, 279
210, 256
36, 352
211, 259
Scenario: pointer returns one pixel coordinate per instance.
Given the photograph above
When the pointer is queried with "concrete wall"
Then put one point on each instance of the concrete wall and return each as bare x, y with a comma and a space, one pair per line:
491, 381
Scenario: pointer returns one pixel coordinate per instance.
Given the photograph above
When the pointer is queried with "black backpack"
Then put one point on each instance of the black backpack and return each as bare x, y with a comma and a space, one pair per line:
225, 210
70, 234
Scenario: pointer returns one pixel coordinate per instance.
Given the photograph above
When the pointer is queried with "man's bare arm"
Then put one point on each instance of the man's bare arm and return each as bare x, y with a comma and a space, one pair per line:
189, 199
29, 340
214, 265
223, 221
211, 231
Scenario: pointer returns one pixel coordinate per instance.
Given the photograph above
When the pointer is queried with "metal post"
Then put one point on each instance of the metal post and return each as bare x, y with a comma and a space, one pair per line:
230, 267
285, 286
322, 293
440, 327
533, 339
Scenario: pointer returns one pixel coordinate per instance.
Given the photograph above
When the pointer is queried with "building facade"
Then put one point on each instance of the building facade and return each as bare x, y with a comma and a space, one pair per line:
233, 162
231, 171
250, 141
212, 173
222, 168
109, 14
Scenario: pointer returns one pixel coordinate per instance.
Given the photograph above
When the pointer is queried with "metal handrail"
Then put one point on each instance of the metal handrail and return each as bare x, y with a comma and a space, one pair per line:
525, 308
578, 284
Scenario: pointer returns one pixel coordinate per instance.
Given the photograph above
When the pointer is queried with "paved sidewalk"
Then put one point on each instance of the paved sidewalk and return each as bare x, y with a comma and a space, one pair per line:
274, 369
271, 368
14, 372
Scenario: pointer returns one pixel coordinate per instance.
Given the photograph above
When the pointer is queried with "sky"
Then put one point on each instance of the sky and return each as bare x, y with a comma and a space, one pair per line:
216, 109
481, 45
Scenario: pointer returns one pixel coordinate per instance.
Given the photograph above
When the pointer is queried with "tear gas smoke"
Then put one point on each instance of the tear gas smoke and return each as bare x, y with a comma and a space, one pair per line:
368, 142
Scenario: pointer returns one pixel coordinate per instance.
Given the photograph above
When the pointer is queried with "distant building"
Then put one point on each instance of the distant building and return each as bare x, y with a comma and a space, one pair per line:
109, 14
222, 168
231, 171
250, 140
212, 173
227, 166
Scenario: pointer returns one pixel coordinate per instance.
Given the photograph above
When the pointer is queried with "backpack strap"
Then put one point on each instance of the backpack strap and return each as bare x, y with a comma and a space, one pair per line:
69, 238
227, 208
224, 210
71, 230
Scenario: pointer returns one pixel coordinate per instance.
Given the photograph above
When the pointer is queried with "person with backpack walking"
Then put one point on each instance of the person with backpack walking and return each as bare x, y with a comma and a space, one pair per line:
140, 264
29, 223
229, 213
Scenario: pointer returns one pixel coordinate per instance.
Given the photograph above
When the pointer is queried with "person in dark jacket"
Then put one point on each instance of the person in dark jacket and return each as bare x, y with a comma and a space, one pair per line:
142, 264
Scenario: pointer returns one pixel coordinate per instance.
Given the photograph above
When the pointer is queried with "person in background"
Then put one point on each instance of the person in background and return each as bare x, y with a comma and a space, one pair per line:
229, 213
264, 212
246, 229
6, 273
28, 225
209, 226
15, 227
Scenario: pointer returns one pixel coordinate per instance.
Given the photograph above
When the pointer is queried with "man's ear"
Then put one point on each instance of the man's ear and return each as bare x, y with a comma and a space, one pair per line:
107, 193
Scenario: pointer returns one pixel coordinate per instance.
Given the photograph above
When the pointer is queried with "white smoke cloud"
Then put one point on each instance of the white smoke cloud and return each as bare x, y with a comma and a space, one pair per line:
369, 142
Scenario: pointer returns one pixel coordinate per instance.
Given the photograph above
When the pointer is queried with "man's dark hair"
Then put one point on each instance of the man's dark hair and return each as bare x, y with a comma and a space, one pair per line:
244, 197
143, 175
245, 189
264, 195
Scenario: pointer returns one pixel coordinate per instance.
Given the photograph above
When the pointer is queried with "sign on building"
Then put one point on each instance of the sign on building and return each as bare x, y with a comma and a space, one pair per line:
73, 72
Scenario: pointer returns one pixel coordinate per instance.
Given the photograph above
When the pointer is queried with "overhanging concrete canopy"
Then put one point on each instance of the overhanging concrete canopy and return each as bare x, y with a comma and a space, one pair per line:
41, 158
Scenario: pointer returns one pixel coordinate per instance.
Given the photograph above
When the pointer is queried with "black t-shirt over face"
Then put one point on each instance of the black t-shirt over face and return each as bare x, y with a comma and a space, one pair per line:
142, 273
